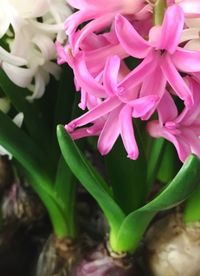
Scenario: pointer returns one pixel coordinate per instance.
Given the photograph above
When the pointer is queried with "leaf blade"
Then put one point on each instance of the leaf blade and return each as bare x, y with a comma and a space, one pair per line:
136, 223
89, 178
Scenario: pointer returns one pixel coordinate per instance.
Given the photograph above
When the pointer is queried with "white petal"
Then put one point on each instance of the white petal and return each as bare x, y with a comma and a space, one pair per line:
193, 45
4, 23
18, 119
41, 79
15, 60
20, 76
188, 34
46, 46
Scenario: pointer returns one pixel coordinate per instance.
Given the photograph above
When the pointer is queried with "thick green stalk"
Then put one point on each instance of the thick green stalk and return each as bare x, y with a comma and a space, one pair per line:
159, 11
192, 208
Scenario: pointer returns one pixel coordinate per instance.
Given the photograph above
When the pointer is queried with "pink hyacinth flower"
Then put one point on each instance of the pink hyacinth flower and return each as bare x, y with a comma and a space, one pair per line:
161, 54
100, 13
88, 65
112, 117
183, 130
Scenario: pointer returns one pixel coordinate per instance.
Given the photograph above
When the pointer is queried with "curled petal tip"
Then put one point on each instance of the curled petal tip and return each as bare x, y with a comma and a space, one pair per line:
117, 17
82, 106
70, 127
132, 155
103, 152
189, 102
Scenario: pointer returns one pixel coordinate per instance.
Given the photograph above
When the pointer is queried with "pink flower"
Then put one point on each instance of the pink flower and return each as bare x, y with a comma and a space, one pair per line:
101, 14
88, 65
161, 55
113, 94
183, 130
112, 116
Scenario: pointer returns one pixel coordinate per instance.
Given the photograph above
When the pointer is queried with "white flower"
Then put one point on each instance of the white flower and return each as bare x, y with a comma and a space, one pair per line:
30, 29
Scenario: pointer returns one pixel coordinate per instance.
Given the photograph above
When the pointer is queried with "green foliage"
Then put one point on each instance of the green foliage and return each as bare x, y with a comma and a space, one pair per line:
127, 177
32, 148
192, 208
127, 231
89, 178
135, 224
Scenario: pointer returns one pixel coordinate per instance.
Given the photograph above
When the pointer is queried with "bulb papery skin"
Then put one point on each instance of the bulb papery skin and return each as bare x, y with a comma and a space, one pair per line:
28, 30
173, 248
20, 204
99, 262
57, 257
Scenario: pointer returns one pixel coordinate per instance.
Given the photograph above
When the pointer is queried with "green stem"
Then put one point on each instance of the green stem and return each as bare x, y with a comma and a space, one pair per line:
58, 218
154, 162
192, 208
159, 11
65, 189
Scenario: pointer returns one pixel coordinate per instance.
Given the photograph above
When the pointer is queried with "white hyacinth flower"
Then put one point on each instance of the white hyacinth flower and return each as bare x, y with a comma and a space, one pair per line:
29, 29
191, 34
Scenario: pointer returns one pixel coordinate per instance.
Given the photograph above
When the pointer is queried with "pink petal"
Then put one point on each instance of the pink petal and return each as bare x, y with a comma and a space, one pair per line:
142, 107
95, 25
155, 86
190, 114
157, 131
110, 132
175, 80
193, 140
110, 76
130, 40
83, 132
97, 112
95, 5
167, 110
172, 28
96, 59
138, 74
186, 60
84, 78
127, 132
77, 18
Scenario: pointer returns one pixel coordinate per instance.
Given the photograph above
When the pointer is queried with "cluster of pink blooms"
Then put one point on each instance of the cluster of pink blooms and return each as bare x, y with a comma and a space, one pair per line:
102, 36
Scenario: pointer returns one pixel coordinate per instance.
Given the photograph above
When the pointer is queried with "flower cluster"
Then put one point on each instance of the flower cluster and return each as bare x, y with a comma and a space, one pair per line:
128, 68
28, 30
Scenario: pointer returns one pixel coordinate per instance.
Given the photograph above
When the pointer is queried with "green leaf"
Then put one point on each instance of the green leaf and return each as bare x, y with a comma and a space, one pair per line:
65, 189
20, 145
170, 161
155, 157
65, 98
63, 104
127, 177
90, 179
135, 224
35, 163
58, 217
32, 116
192, 207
